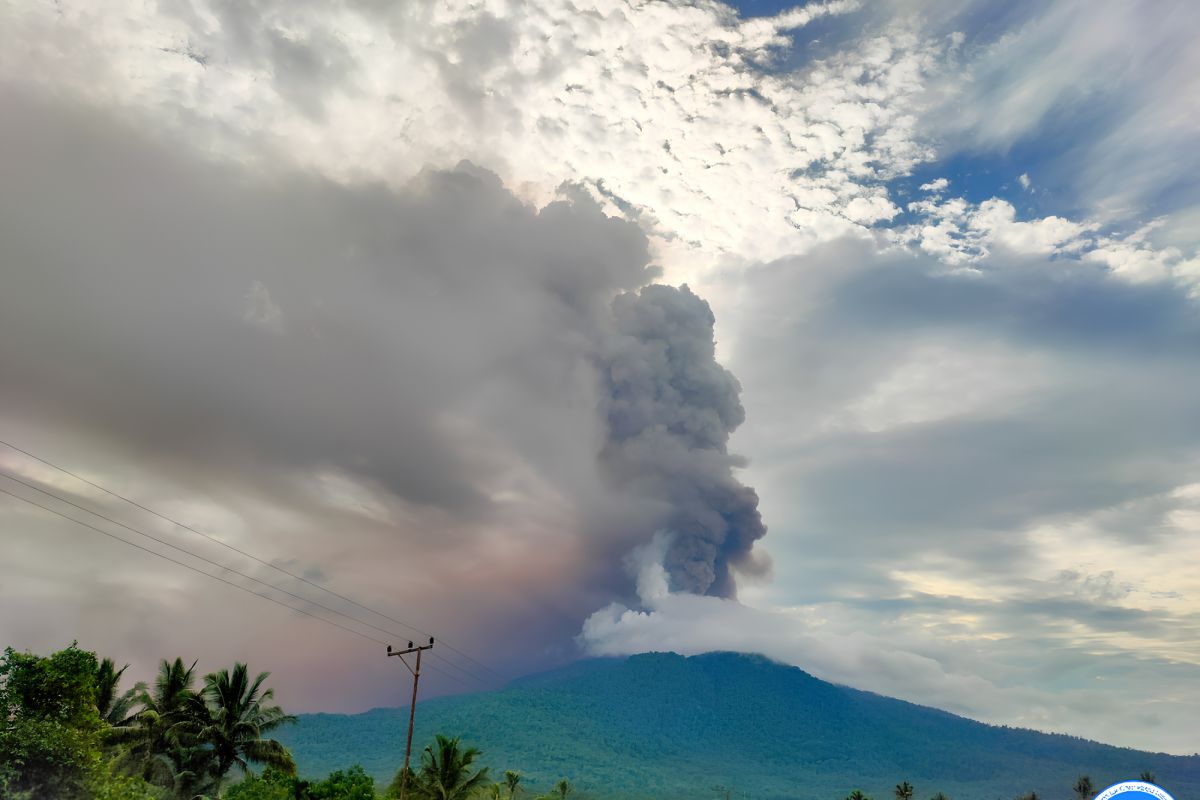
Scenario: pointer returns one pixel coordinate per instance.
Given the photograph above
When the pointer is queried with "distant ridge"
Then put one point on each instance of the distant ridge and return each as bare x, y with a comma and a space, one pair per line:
659, 725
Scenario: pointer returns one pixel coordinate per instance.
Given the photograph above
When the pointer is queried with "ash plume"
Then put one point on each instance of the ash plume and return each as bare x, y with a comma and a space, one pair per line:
670, 408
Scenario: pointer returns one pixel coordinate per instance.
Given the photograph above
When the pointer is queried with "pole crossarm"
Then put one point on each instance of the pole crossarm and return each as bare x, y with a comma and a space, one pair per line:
412, 707
410, 651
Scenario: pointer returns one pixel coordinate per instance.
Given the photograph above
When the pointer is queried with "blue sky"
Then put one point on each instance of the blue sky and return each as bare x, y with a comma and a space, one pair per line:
762, 8
861, 335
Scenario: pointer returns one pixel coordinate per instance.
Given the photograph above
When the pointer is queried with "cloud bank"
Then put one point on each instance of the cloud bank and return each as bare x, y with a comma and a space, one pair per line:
441, 364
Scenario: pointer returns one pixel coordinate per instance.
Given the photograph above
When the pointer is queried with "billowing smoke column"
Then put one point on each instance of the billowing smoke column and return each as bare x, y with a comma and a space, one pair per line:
670, 408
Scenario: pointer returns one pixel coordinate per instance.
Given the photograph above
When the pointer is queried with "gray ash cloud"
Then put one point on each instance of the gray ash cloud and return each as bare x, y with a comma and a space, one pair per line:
670, 409
507, 382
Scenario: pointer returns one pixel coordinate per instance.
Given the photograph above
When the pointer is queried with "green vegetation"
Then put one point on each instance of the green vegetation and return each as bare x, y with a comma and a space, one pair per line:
52, 739
69, 731
447, 772
666, 727
275, 784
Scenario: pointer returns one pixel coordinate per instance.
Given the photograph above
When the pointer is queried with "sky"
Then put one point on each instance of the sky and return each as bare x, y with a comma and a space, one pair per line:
862, 335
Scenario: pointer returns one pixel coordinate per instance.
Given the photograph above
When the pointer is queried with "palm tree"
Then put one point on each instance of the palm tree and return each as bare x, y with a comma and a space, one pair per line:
1030, 796
115, 709
939, 796
1083, 788
152, 736
903, 791
393, 790
563, 788
183, 772
1146, 777
446, 772
512, 781
857, 795
238, 713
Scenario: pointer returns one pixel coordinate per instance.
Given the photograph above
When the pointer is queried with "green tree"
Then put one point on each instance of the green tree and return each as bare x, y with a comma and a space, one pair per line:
170, 701
112, 785
115, 708
272, 784
158, 742
236, 714
512, 781
903, 791
447, 772
393, 790
563, 788
51, 736
349, 784
1146, 776
1083, 788
857, 795
939, 796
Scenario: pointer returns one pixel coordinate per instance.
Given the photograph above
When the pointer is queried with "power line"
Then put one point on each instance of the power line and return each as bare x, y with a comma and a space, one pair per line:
219, 565
264, 563
186, 565
216, 564
202, 572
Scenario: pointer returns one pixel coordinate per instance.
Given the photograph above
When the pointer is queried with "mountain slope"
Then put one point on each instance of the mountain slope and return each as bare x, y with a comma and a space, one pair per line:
663, 726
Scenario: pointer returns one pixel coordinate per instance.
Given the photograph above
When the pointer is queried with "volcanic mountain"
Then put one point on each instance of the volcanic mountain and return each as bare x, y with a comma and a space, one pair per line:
663, 726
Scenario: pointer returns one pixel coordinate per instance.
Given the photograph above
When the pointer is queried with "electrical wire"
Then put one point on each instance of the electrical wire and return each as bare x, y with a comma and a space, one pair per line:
216, 564
266, 563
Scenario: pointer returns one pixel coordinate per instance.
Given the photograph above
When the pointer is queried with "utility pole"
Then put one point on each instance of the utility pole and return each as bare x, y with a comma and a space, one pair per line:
412, 707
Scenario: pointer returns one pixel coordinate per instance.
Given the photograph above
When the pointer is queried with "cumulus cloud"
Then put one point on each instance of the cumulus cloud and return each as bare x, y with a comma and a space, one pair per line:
960, 232
676, 114
1137, 259
963, 234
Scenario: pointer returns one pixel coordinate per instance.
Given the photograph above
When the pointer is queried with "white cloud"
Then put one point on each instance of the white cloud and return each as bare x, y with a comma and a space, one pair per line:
260, 310
996, 221
960, 232
938, 185
1023, 179
921, 655
1108, 75
964, 235
1137, 259
937, 381
670, 113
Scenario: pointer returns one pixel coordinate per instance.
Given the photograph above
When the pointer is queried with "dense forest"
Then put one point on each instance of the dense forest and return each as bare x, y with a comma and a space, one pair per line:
70, 733
663, 726
658, 726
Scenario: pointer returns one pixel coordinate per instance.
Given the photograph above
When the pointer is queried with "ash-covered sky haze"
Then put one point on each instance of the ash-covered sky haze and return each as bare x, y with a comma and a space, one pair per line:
862, 335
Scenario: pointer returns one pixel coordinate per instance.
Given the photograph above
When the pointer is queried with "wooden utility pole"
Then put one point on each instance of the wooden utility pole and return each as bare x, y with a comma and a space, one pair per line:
412, 707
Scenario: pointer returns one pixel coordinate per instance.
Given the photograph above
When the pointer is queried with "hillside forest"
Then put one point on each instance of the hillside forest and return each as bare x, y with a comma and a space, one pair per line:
71, 732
